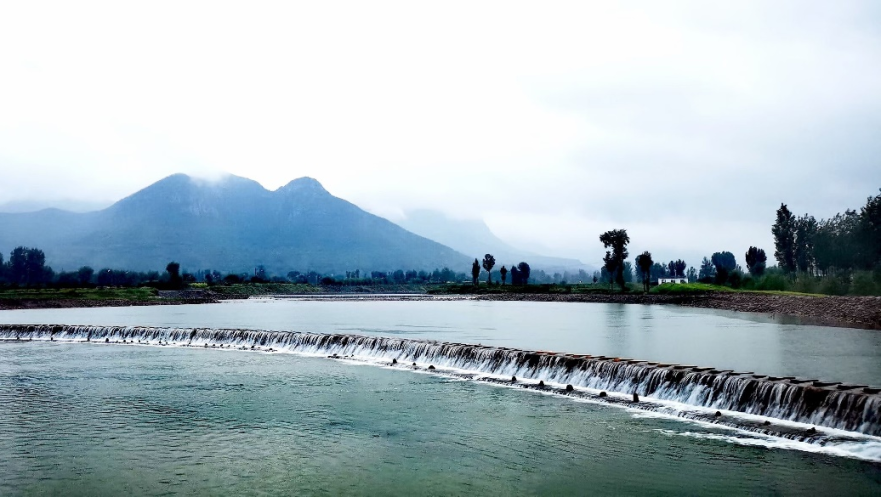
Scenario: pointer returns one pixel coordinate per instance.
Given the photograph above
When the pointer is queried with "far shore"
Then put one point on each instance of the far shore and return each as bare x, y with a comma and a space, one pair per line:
850, 312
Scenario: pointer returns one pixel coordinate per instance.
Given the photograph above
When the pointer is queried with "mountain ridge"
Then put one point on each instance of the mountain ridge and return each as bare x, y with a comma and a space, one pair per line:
232, 224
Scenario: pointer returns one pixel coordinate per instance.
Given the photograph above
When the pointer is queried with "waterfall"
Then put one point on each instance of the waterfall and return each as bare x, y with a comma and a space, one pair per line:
855, 408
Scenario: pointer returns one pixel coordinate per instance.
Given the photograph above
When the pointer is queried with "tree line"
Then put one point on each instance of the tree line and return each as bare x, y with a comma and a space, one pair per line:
26, 268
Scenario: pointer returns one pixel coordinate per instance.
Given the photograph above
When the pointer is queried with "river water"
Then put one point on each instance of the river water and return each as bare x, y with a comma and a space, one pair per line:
91, 419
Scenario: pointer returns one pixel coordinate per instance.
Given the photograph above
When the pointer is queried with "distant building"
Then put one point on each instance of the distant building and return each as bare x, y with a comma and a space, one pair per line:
673, 279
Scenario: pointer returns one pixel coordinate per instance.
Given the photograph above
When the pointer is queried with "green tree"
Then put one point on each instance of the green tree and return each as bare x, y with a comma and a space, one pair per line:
617, 240
27, 267
870, 232
174, 278
84, 275
504, 273
524, 273
610, 267
644, 262
488, 262
707, 269
784, 239
475, 272
756, 261
805, 237
679, 266
725, 263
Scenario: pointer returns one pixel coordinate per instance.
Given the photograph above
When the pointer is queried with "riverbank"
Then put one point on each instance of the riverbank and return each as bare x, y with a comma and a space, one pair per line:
99, 297
850, 312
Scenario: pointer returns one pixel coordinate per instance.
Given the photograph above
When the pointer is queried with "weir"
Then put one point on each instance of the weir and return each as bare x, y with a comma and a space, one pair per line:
855, 408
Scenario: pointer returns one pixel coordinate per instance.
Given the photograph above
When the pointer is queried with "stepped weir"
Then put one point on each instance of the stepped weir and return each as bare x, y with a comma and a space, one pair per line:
854, 408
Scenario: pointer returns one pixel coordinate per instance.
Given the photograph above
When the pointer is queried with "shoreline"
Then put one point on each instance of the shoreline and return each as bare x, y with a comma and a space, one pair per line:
846, 312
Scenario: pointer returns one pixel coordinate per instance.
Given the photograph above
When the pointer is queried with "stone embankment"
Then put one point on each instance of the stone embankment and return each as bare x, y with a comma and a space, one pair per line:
852, 312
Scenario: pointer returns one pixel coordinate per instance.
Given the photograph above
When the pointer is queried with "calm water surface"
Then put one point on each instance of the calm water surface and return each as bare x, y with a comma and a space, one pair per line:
87, 419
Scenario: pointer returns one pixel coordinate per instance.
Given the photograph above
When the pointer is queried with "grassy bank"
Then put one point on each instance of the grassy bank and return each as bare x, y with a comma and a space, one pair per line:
139, 294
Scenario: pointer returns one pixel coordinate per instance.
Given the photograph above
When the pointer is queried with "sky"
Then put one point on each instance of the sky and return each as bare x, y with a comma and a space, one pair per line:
685, 123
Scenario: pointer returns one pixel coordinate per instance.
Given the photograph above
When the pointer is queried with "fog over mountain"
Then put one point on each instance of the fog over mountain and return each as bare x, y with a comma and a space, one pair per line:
685, 122
475, 238
233, 224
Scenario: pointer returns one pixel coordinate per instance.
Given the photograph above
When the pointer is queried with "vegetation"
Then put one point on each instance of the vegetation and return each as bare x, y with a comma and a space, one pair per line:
139, 294
644, 262
613, 262
488, 262
836, 256
688, 288
755, 261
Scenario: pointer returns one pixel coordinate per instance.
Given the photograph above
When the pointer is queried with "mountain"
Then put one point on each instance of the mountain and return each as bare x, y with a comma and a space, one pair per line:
476, 239
229, 225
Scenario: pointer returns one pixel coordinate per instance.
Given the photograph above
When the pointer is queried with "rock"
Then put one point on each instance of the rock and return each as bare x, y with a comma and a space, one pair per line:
414, 364
635, 397
812, 431
718, 414
541, 384
394, 361
106, 340
570, 388
513, 379
603, 395
767, 423
430, 367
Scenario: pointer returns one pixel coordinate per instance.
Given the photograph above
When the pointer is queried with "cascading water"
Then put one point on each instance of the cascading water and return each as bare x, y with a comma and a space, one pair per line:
854, 408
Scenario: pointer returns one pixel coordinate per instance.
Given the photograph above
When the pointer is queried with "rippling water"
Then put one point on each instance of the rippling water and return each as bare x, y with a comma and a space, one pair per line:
90, 419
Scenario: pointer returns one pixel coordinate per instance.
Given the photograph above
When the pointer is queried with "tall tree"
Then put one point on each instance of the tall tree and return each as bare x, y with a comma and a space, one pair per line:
504, 273
725, 263
870, 231
644, 262
174, 278
515, 275
707, 269
691, 274
610, 267
475, 272
755, 261
84, 275
524, 272
617, 240
784, 239
627, 272
488, 262
679, 266
805, 237
27, 267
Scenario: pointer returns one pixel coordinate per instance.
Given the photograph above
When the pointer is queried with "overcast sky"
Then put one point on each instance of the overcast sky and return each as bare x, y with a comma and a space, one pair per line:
685, 123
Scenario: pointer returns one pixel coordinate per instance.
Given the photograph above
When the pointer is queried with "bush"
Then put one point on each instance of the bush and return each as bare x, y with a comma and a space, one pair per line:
834, 285
772, 282
735, 279
805, 283
864, 284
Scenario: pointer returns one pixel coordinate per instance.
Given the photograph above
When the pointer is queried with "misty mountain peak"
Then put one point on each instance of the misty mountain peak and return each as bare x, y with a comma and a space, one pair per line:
304, 185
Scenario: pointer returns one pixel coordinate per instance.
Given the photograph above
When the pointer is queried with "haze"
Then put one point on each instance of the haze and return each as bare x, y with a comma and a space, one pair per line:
685, 123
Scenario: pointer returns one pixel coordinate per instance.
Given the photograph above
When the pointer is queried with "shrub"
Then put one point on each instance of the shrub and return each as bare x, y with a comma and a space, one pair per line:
772, 282
834, 285
863, 284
